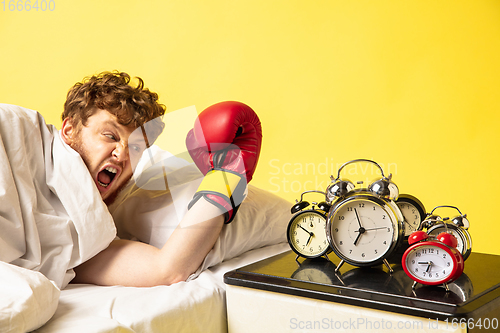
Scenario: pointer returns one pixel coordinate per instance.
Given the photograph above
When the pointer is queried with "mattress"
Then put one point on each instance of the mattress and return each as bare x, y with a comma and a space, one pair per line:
198, 305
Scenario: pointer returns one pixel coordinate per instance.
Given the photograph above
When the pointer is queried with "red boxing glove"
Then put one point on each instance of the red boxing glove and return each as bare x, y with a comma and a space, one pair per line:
225, 145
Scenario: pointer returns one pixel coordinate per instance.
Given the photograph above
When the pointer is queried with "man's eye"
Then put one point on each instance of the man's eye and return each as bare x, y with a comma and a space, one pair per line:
136, 148
110, 136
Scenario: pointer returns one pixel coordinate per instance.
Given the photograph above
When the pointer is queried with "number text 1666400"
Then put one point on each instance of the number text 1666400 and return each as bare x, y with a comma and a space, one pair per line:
28, 5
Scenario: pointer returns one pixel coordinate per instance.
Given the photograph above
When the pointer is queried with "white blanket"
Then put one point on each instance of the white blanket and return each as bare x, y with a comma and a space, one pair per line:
51, 215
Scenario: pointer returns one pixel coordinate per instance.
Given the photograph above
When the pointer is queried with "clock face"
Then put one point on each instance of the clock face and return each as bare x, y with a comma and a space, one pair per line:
413, 212
462, 243
306, 234
362, 231
431, 263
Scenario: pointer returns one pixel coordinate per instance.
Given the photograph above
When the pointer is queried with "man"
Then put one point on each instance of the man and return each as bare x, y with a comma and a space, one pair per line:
99, 117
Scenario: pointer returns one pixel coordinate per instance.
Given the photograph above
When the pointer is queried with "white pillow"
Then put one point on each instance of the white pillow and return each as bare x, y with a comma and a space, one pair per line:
27, 299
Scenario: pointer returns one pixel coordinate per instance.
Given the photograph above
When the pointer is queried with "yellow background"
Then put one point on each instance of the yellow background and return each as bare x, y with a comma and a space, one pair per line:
413, 85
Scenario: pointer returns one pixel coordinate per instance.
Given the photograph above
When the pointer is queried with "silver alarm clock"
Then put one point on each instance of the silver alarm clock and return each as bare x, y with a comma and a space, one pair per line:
365, 225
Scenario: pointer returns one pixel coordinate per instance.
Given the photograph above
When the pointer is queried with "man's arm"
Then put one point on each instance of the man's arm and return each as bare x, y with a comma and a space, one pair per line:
131, 263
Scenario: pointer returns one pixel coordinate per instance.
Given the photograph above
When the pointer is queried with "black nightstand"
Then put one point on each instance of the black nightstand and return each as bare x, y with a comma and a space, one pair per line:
280, 295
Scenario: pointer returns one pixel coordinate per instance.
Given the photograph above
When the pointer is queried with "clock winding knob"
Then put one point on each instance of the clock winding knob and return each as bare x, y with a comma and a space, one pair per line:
338, 189
461, 221
385, 188
447, 239
417, 236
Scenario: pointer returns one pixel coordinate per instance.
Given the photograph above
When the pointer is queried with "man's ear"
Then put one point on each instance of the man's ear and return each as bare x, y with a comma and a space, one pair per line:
68, 131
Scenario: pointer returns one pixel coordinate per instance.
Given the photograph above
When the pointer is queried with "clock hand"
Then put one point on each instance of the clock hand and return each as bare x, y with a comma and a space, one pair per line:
304, 229
310, 236
428, 263
361, 231
357, 217
370, 229
357, 238
411, 226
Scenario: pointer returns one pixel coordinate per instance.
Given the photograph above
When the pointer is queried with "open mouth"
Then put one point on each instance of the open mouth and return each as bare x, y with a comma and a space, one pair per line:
106, 176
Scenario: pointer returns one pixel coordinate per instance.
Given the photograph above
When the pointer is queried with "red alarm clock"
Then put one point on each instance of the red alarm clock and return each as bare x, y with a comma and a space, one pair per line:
432, 261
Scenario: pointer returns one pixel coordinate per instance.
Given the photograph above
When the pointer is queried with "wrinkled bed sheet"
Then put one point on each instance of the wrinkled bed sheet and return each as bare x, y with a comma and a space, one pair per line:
195, 306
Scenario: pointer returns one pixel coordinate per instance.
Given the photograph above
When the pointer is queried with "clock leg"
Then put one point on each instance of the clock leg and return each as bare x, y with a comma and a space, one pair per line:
340, 265
414, 285
386, 263
446, 287
326, 257
340, 279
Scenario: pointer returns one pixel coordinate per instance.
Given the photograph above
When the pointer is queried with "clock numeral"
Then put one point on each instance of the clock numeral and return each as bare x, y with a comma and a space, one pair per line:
448, 264
341, 243
341, 217
311, 249
336, 229
376, 252
362, 205
416, 269
363, 255
350, 251
383, 216
349, 209
388, 229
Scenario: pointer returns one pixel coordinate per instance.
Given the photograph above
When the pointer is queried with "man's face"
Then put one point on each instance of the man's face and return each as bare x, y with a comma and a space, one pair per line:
104, 145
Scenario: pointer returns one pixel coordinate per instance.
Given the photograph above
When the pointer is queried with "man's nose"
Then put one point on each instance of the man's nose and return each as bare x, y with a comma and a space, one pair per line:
121, 152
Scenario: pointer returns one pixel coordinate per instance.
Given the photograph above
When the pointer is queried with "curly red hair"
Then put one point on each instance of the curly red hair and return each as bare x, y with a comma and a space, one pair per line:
112, 91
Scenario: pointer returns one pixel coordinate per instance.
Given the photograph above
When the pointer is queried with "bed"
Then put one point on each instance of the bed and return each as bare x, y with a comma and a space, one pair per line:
195, 306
